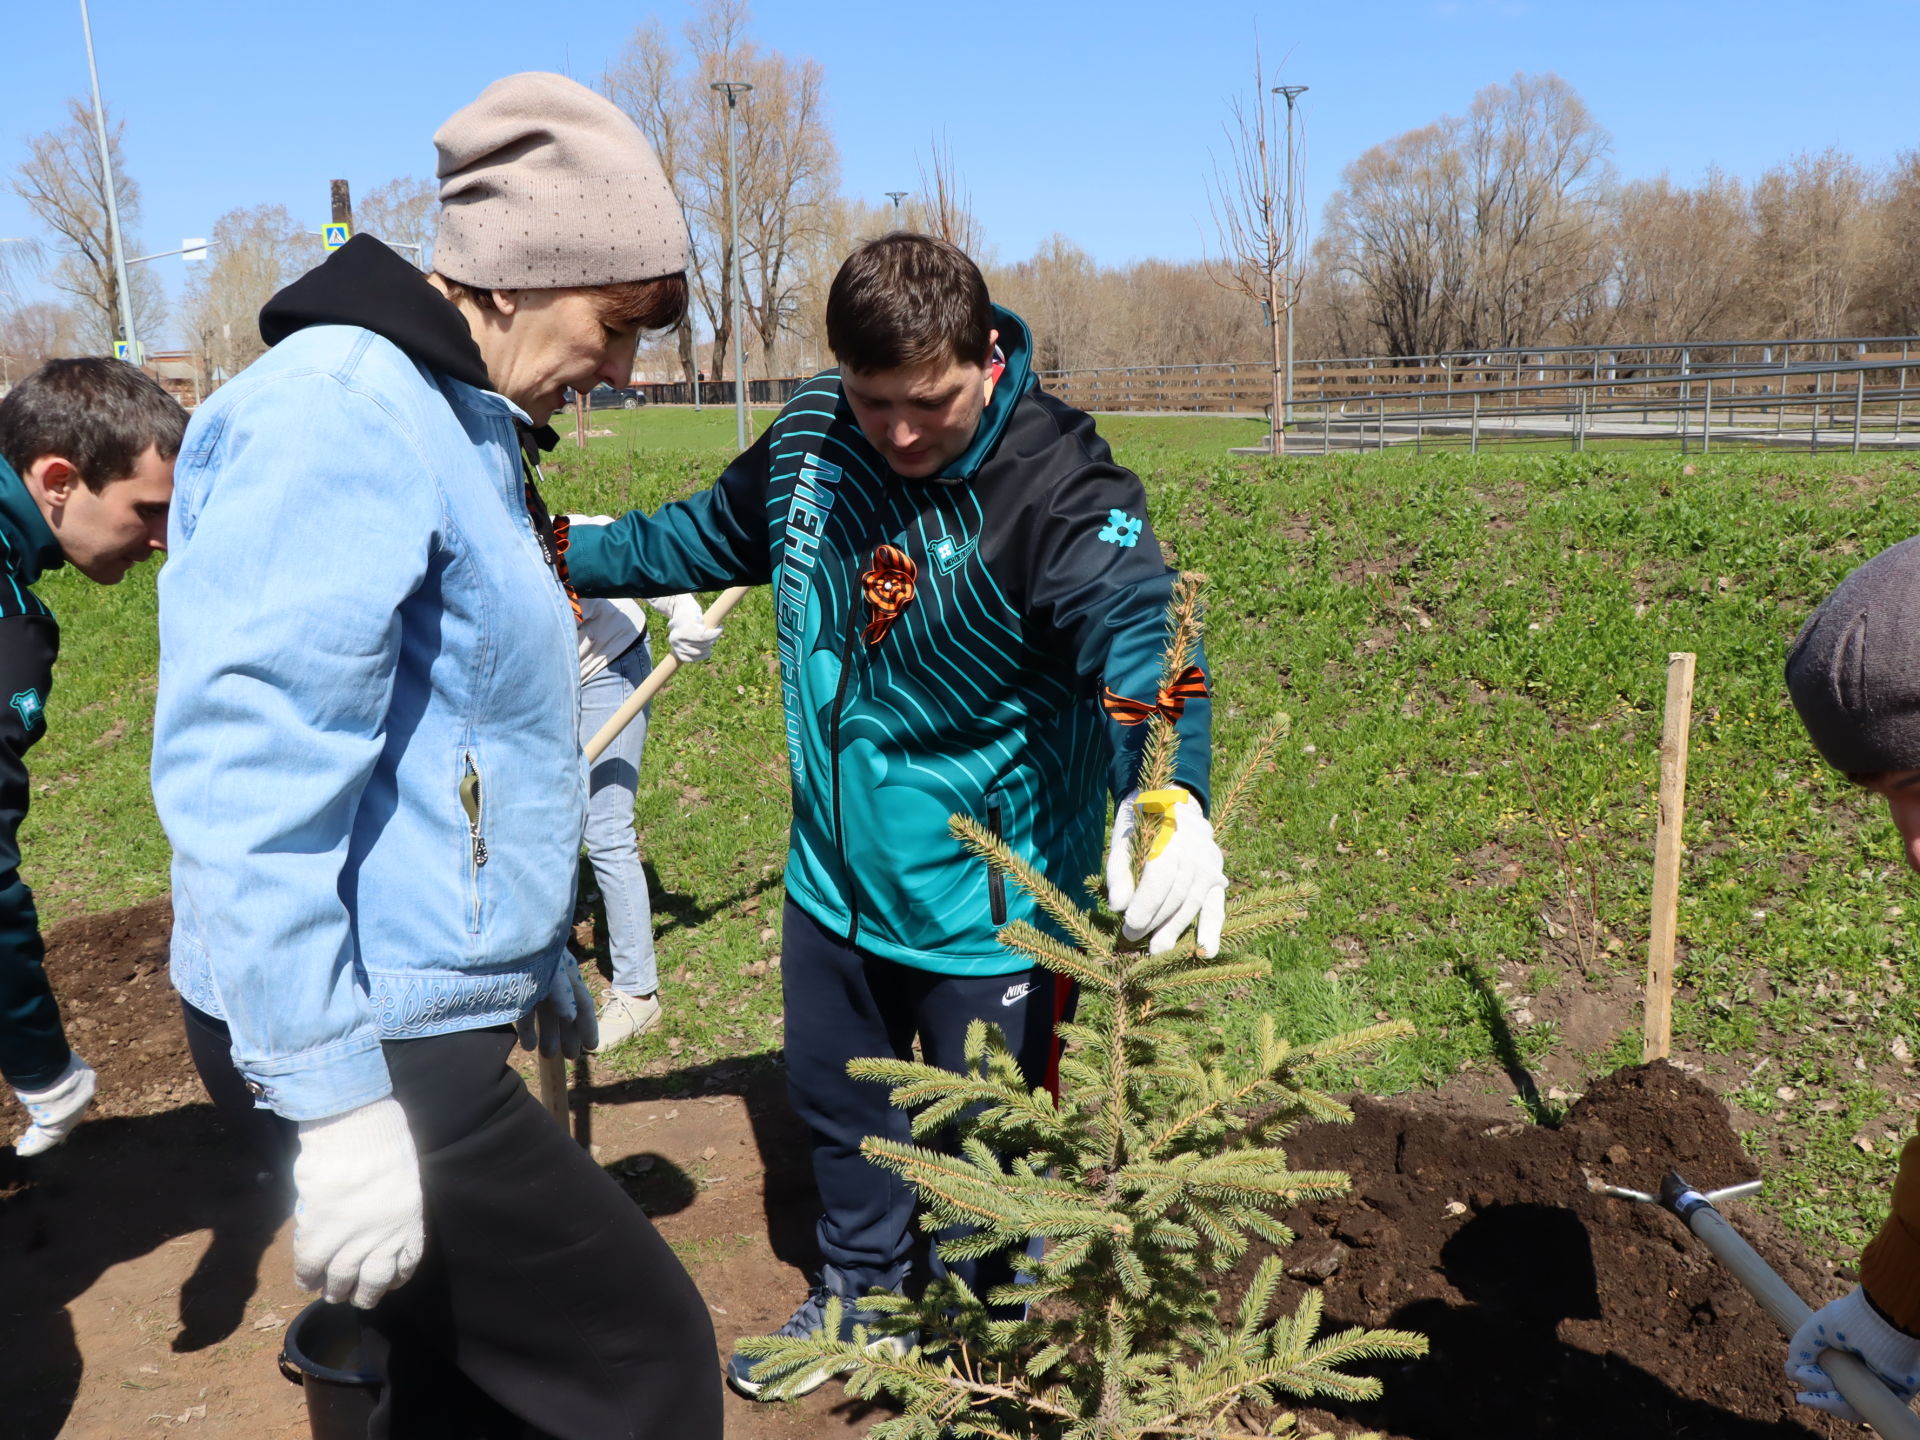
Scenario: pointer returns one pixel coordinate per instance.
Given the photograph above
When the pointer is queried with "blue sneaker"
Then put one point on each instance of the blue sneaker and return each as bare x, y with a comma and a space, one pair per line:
811, 1319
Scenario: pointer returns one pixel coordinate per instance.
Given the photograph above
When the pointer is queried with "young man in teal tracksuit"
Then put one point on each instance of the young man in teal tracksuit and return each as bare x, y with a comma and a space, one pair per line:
971, 610
86, 475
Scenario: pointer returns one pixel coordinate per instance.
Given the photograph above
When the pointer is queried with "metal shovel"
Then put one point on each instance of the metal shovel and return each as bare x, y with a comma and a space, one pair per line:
1861, 1388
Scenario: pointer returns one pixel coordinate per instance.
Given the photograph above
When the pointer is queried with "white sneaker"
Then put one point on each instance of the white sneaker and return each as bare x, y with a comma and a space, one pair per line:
56, 1109
626, 1017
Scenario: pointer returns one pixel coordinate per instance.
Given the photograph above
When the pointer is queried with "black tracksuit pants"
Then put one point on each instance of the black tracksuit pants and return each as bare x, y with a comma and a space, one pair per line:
843, 1004
546, 1305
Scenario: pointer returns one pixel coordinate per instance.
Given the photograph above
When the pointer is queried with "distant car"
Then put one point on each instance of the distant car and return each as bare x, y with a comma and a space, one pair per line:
605, 397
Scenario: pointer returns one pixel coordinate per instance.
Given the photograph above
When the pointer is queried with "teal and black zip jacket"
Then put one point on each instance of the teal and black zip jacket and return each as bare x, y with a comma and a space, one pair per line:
1036, 587
33, 1048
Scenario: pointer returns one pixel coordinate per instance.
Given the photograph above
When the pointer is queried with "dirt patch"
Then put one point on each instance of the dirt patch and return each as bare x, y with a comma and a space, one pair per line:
1550, 1310
151, 1282
110, 972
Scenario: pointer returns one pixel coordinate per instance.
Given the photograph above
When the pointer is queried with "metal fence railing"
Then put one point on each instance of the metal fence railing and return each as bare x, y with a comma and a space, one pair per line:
1856, 391
1786, 364
1861, 404
719, 392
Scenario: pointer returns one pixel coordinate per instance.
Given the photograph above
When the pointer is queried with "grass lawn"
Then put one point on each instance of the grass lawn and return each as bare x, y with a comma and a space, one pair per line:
1473, 651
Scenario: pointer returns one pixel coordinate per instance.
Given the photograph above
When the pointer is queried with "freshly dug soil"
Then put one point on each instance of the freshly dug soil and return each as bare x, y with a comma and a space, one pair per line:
1550, 1311
110, 973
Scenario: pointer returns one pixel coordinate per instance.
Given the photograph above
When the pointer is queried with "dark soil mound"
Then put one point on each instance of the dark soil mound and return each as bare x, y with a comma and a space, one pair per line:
1551, 1311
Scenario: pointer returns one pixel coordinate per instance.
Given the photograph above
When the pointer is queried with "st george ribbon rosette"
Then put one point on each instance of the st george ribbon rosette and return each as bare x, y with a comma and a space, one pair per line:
888, 585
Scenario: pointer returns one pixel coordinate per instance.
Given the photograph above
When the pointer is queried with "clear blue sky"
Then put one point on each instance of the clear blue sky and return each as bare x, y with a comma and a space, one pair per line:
1096, 120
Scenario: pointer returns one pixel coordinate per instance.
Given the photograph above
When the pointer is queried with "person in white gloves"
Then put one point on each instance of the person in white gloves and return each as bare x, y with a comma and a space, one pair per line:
367, 759
1854, 675
614, 659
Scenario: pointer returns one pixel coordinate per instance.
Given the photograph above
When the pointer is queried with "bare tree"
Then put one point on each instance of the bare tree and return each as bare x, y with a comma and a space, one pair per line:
1261, 227
1395, 238
22, 258
785, 162
944, 206
1536, 169
61, 182
1480, 230
1682, 257
1059, 293
34, 333
255, 252
644, 82
845, 223
1893, 293
1817, 237
403, 213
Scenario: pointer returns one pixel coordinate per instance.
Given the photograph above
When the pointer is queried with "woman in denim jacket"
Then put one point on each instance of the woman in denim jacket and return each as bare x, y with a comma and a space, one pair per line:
366, 758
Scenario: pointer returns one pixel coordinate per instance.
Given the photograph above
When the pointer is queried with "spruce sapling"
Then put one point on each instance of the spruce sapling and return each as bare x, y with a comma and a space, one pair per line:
1147, 1177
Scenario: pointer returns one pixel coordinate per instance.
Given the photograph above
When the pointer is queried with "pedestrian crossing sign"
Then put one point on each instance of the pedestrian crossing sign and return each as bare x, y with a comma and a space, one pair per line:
130, 353
335, 236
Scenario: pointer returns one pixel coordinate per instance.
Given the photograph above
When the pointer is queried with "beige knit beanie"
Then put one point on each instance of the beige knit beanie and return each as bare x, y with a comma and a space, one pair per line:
543, 184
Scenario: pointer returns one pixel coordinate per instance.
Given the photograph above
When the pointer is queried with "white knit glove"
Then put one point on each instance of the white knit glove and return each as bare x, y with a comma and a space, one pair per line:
357, 1230
54, 1111
1850, 1323
688, 634
1184, 877
563, 1023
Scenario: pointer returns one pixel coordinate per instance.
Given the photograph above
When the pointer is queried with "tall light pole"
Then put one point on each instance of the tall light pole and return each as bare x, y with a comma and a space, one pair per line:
896, 196
113, 208
733, 90
1292, 93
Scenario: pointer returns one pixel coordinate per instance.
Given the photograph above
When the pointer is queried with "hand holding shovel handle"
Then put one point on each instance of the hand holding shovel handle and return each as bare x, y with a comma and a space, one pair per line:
553, 1068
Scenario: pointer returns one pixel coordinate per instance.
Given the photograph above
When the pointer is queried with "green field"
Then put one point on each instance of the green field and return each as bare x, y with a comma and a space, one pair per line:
1473, 652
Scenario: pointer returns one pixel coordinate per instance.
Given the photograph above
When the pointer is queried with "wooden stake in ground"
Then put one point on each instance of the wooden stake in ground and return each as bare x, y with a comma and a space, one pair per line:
1658, 1036
553, 1068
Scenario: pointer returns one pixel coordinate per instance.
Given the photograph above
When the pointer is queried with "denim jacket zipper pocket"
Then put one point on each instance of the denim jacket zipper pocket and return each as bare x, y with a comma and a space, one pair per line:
996, 882
470, 802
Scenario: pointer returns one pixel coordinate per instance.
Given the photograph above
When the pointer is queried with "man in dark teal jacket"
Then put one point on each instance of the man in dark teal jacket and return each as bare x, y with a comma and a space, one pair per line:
971, 611
86, 472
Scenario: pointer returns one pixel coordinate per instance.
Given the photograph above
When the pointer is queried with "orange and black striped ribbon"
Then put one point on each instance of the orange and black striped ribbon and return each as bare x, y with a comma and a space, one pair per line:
888, 585
1189, 684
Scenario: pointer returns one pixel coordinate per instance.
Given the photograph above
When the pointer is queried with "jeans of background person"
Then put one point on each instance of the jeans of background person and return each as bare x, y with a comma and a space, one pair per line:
612, 847
273, 1141
545, 1296
842, 1004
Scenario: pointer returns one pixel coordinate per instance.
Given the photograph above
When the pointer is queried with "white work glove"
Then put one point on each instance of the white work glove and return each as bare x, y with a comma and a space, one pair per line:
54, 1111
563, 1023
357, 1230
1851, 1323
688, 634
1183, 877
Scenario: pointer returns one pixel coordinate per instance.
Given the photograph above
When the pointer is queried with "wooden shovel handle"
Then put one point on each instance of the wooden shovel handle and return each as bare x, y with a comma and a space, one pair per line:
553, 1068
662, 672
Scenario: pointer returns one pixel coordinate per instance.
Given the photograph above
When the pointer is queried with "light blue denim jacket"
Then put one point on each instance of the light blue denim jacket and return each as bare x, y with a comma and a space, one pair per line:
365, 750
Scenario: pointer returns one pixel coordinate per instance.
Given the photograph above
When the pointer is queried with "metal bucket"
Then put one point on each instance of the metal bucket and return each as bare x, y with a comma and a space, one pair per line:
324, 1355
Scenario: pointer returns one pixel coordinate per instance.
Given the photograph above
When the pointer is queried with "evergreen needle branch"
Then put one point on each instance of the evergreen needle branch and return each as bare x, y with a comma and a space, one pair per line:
1257, 764
1048, 896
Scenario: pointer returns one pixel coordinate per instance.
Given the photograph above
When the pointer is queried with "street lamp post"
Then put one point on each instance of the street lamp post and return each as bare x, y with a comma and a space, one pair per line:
1292, 93
113, 208
896, 196
733, 90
